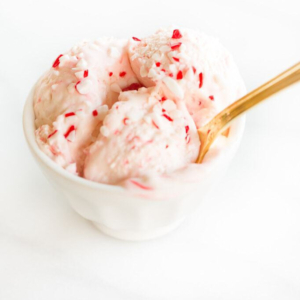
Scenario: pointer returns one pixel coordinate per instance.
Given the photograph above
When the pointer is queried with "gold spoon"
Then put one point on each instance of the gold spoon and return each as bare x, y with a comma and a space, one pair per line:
209, 132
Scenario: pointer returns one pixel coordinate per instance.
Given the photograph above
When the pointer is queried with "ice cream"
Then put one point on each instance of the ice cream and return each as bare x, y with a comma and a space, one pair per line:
71, 99
192, 67
142, 134
126, 112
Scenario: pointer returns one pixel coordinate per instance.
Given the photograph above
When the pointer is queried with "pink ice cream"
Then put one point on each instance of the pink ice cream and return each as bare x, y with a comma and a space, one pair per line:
127, 112
142, 135
190, 66
71, 99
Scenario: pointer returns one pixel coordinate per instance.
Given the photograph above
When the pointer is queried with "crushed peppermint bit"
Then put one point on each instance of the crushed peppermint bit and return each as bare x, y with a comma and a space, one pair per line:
187, 128
176, 34
212, 98
126, 121
76, 86
179, 75
194, 69
155, 125
163, 70
110, 74
133, 87
57, 62
167, 146
136, 39
175, 46
122, 74
71, 128
171, 74
104, 131
163, 99
95, 113
51, 134
167, 117
200, 80
175, 58
70, 114
188, 138
85, 73
141, 185
163, 110
158, 64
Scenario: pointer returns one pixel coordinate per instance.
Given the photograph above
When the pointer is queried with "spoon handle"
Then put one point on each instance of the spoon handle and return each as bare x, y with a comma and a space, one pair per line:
210, 131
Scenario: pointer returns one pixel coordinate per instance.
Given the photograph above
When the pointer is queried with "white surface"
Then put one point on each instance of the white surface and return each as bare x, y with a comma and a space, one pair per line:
240, 244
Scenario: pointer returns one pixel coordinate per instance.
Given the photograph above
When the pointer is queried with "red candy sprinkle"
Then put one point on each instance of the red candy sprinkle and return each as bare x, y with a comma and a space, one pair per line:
72, 128
194, 69
95, 113
179, 75
56, 63
158, 64
155, 125
167, 117
110, 74
208, 131
171, 74
163, 110
122, 74
175, 46
85, 73
49, 136
141, 185
167, 146
200, 79
176, 58
187, 128
70, 114
136, 39
176, 34
211, 98
76, 86
125, 121
132, 87
163, 99
163, 70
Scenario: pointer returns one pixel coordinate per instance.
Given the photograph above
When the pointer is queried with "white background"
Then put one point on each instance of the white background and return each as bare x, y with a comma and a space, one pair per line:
244, 240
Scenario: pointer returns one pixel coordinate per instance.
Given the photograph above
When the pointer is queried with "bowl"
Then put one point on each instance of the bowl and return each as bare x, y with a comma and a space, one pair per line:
118, 212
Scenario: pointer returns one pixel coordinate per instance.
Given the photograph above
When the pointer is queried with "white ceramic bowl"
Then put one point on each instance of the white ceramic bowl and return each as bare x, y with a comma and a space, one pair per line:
116, 211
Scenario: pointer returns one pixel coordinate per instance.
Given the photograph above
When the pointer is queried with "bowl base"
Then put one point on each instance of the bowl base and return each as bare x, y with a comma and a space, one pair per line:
141, 235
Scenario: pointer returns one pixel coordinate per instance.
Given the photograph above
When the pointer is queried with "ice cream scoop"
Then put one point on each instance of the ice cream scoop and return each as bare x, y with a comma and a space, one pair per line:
143, 133
210, 131
73, 96
190, 66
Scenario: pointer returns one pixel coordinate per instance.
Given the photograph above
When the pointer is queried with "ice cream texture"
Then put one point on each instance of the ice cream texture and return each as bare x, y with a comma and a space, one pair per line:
126, 112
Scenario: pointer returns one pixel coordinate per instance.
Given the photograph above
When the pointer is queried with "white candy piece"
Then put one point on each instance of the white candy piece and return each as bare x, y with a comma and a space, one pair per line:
63, 59
82, 64
104, 131
71, 137
79, 74
174, 87
84, 86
